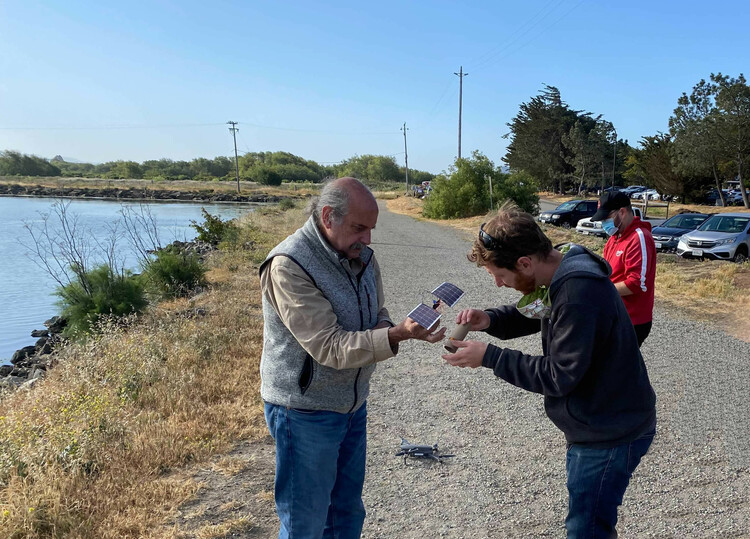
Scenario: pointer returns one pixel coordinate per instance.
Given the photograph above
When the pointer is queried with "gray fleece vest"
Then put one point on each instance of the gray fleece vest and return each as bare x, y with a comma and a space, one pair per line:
289, 375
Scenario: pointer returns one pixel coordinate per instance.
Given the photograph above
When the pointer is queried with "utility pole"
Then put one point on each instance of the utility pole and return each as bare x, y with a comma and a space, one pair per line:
234, 130
461, 76
406, 159
614, 158
489, 179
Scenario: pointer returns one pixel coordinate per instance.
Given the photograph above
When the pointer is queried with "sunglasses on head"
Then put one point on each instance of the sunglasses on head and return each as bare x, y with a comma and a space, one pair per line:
488, 241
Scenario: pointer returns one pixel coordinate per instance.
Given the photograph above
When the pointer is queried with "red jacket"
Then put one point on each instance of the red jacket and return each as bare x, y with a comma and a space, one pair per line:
632, 255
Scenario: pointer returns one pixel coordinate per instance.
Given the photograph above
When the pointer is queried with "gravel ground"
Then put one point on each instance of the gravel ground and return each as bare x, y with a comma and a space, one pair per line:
508, 476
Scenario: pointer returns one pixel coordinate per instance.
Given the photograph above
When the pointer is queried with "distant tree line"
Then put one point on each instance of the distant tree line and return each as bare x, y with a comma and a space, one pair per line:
708, 144
268, 168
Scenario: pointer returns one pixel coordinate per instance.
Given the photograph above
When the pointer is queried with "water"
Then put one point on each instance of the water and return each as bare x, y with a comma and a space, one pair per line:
26, 291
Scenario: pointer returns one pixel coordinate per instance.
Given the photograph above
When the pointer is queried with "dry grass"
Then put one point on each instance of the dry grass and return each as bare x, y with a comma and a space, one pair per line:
89, 453
715, 292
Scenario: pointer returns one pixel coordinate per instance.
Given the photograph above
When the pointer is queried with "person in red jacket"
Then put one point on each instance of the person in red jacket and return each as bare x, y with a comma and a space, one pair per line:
631, 252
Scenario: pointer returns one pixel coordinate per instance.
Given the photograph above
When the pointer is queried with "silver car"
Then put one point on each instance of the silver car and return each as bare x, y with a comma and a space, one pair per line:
724, 236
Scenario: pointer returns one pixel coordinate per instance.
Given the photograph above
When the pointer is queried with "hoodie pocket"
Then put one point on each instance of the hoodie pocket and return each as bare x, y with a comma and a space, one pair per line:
306, 375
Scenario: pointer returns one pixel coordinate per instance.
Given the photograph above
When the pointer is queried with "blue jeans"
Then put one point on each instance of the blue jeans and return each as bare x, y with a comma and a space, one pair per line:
320, 470
597, 479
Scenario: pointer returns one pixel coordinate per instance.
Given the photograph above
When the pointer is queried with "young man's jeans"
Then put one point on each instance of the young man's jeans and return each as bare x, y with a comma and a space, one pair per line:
597, 479
320, 470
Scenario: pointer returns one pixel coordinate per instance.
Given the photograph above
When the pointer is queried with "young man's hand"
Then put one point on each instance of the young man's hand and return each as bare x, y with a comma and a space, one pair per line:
469, 354
478, 319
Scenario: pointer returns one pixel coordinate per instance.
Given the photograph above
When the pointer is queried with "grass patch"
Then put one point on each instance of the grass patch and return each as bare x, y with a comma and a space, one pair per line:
89, 452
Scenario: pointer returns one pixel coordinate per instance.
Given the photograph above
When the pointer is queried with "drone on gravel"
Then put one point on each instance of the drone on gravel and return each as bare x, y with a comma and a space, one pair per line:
415, 451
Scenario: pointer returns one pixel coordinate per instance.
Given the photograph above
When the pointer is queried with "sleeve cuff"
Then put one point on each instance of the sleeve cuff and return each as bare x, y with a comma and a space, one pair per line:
382, 345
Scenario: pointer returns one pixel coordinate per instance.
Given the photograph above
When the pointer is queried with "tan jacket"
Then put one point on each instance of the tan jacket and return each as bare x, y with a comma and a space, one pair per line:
308, 315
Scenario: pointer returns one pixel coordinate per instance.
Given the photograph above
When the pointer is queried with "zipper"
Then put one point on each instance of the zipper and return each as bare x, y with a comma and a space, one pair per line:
355, 288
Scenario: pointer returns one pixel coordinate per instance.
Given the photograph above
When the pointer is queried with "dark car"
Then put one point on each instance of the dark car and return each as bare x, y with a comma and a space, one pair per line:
569, 213
667, 235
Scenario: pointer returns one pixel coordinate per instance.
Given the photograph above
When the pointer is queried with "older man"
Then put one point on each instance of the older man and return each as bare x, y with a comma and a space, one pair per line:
593, 378
326, 327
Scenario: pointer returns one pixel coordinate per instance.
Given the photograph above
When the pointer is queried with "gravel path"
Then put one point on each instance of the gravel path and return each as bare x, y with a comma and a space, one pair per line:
508, 476
507, 479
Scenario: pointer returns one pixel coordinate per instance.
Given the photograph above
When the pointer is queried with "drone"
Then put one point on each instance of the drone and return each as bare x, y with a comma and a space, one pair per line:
421, 451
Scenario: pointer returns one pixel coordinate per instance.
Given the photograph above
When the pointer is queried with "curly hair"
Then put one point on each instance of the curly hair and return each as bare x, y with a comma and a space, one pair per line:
512, 233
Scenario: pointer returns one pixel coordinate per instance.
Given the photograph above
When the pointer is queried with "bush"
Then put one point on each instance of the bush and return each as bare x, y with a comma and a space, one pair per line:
96, 294
287, 204
519, 187
213, 230
266, 176
174, 273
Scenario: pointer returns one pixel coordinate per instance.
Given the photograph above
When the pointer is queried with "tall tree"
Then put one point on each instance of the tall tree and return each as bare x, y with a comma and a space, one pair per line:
537, 139
733, 102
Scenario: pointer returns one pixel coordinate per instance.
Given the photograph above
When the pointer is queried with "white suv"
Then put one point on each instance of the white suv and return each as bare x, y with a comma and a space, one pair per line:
724, 236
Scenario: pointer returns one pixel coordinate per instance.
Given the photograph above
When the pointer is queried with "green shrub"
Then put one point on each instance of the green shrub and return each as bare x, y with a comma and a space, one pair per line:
99, 293
287, 204
265, 175
213, 230
519, 187
173, 273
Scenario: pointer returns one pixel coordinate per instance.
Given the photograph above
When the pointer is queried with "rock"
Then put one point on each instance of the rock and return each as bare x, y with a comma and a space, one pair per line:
5, 370
37, 372
56, 324
11, 382
40, 333
28, 384
23, 353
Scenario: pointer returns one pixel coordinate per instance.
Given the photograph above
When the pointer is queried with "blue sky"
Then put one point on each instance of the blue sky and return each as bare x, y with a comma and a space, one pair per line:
101, 81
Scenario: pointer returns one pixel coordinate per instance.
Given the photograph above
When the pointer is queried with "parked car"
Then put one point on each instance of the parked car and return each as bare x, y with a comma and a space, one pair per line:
633, 189
734, 198
652, 194
594, 228
569, 213
667, 235
712, 197
724, 236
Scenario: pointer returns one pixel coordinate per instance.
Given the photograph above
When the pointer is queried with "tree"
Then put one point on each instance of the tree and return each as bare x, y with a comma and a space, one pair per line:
588, 144
733, 102
121, 170
537, 139
697, 141
18, 164
652, 164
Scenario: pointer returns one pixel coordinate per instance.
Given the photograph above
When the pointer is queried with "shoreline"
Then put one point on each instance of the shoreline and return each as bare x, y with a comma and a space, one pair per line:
133, 194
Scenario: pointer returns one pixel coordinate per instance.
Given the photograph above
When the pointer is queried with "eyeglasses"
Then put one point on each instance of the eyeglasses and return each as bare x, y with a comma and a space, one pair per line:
488, 241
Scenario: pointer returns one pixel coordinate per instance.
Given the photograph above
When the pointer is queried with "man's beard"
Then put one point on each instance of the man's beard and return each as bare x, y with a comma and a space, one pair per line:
524, 284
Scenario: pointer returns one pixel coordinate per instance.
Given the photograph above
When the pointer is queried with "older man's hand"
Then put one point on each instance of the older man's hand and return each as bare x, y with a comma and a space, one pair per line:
409, 329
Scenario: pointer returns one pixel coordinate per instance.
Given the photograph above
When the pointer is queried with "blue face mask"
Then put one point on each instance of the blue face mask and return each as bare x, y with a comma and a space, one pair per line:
609, 227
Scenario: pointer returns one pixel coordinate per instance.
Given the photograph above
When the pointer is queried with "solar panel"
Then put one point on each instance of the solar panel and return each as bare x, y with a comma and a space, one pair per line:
424, 315
448, 293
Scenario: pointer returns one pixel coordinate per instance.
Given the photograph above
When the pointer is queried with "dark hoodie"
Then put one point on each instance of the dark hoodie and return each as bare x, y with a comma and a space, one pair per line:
592, 375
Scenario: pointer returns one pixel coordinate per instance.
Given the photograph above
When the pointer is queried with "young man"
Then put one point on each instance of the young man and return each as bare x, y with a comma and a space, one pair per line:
592, 375
325, 327
631, 252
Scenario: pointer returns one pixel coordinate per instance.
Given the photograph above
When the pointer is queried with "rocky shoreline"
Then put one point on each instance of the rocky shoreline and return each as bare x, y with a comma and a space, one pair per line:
132, 193
30, 363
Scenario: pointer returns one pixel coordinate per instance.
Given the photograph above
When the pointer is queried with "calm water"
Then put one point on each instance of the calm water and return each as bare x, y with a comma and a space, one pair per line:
26, 299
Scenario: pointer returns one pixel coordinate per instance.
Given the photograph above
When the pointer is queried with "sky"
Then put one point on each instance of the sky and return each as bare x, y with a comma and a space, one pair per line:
327, 80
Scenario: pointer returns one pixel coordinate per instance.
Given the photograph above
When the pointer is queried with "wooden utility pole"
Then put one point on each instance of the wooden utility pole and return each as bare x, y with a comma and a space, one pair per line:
614, 158
461, 76
234, 130
406, 159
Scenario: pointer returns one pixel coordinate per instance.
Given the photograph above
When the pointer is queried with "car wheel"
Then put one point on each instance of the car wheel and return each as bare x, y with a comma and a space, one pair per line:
741, 255
566, 225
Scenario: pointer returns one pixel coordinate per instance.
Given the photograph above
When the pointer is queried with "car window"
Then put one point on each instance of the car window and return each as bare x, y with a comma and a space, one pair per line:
565, 206
725, 223
687, 222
